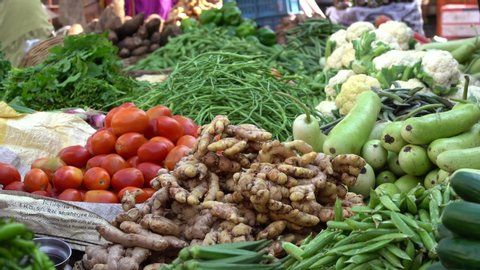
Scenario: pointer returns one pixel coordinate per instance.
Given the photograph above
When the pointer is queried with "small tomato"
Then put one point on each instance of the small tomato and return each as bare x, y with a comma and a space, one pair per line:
174, 156
113, 163
8, 174
129, 177
152, 152
75, 155
149, 171
70, 194
151, 130
96, 178
95, 161
157, 111
164, 140
36, 180
112, 112
42, 193
48, 165
67, 177
16, 185
189, 126
169, 128
129, 120
149, 191
103, 142
100, 196
133, 161
187, 140
127, 144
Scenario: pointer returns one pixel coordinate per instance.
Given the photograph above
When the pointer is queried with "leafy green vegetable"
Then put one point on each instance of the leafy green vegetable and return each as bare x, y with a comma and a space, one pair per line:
85, 71
5, 67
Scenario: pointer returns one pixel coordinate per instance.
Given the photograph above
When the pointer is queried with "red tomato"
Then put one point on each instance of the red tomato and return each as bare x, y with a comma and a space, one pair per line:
149, 171
157, 111
129, 177
100, 196
113, 163
103, 142
141, 197
48, 165
36, 180
96, 178
16, 185
133, 161
175, 155
151, 130
42, 193
169, 128
164, 140
129, 120
189, 126
70, 194
152, 152
75, 155
128, 144
149, 191
8, 174
67, 177
95, 161
187, 140
112, 112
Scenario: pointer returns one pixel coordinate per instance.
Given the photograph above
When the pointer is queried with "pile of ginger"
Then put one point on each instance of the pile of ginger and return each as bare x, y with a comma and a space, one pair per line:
237, 184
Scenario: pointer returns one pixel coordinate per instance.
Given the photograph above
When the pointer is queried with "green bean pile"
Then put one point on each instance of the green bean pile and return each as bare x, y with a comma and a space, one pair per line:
241, 87
391, 232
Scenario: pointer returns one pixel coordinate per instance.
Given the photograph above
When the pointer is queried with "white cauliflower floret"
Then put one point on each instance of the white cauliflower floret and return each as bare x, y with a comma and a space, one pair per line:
398, 58
441, 66
356, 29
352, 88
339, 78
386, 38
400, 31
411, 84
339, 37
326, 108
342, 56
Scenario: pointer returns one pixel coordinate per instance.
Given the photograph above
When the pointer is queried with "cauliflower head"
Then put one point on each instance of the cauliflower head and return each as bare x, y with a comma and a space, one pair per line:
386, 38
326, 108
338, 79
411, 84
398, 58
342, 56
339, 37
400, 31
356, 29
354, 86
440, 71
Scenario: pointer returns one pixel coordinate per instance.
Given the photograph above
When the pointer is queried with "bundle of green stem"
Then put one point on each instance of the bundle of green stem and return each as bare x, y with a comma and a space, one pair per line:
241, 87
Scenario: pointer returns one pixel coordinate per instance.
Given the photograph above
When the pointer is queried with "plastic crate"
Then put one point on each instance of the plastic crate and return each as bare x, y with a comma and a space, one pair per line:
267, 12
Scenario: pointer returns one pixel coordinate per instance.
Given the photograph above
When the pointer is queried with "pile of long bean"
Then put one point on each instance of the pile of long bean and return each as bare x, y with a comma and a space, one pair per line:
241, 87
391, 232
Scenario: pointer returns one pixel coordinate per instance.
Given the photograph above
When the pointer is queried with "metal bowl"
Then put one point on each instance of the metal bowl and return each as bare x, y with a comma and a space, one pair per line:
57, 250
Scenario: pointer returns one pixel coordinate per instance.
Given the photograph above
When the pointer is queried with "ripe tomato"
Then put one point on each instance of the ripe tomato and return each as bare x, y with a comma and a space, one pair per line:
141, 197
157, 111
75, 155
95, 161
15, 185
128, 144
133, 161
129, 120
175, 155
129, 177
189, 126
152, 152
169, 128
67, 177
42, 193
112, 112
100, 196
96, 178
151, 130
8, 174
164, 140
149, 191
113, 163
187, 140
103, 142
149, 171
36, 180
48, 165
70, 194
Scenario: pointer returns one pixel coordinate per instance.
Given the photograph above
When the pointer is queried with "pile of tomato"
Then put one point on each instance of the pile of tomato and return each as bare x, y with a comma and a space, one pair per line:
124, 155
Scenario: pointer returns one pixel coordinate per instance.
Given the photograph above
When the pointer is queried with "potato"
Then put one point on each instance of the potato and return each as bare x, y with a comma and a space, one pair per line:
152, 24
153, 47
112, 36
155, 38
146, 42
130, 43
140, 51
124, 53
142, 32
131, 26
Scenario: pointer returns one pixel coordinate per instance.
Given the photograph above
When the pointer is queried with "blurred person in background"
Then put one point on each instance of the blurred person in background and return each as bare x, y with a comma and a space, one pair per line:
148, 7
22, 21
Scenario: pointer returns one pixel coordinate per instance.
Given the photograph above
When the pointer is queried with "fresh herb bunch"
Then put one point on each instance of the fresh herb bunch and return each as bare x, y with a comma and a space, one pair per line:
5, 67
85, 71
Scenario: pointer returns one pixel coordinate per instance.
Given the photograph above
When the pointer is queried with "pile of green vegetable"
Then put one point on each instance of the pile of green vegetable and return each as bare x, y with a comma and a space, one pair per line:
84, 72
239, 86
18, 251
241, 255
394, 231
5, 67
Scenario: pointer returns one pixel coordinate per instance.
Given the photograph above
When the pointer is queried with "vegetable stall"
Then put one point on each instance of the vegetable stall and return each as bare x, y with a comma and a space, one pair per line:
337, 148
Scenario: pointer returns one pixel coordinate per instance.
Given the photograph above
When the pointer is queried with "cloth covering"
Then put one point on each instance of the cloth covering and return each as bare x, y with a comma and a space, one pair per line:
148, 7
21, 20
